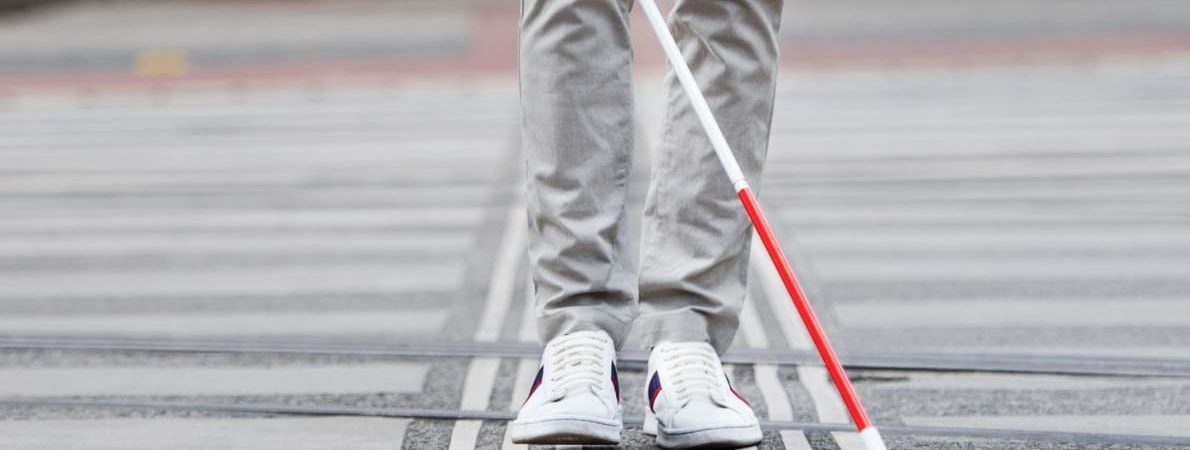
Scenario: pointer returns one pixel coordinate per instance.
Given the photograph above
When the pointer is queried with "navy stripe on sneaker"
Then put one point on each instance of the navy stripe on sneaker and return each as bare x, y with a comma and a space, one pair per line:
654, 390
616, 381
536, 383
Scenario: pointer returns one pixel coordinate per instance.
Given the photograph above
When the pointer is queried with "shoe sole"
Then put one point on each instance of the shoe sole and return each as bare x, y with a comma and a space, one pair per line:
713, 438
565, 432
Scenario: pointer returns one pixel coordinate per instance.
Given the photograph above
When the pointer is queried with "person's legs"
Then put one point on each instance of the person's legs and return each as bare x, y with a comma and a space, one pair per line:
695, 249
576, 102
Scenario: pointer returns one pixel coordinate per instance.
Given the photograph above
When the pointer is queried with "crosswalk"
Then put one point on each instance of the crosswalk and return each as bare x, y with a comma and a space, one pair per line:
1022, 208
271, 219
1025, 211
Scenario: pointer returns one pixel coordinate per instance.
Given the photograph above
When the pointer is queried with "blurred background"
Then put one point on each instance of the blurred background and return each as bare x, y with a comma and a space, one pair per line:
295, 224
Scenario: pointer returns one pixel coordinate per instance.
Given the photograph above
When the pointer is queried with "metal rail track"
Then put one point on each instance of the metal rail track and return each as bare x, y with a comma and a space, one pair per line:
442, 414
1011, 363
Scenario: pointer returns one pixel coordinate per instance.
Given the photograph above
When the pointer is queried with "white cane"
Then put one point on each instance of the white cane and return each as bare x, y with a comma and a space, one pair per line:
869, 434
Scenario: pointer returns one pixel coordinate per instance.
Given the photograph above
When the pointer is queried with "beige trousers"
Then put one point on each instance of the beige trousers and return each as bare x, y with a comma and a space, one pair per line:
577, 134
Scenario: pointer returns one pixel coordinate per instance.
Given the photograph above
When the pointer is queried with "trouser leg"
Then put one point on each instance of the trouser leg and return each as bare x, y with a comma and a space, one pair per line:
694, 256
576, 102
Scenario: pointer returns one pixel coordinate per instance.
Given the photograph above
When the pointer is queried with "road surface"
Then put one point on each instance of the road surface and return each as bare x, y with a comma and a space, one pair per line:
1000, 251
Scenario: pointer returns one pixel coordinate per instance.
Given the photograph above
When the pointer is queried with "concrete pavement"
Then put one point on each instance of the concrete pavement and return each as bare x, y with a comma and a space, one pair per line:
323, 264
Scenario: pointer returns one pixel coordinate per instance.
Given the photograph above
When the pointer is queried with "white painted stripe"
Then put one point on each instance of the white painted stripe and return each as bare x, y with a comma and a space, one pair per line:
942, 143
849, 440
1013, 166
261, 243
769, 383
364, 433
465, 434
378, 196
502, 284
768, 380
879, 188
526, 367
795, 440
1012, 210
871, 439
528, 331
507, 444
481, 374
153, 181
160, 381
1028, 267
993, 313
83, 220
185, 324
477, 391
1165, 351
778, 299
827, 404
1015, 382
751, 326
241, 153
1154, 425
239, 281
525, 374
909, 241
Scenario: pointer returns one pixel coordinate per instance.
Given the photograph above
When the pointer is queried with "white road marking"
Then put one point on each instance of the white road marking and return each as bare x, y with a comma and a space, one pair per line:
503, 284
1015, 382
795, 440
750, 325
364, 433
279, 323
774, 394
995, 313
526, 367
826, 400
477, 390
108, 381
82, 220
526, 372
1154, 425
767, 379
905, 268
238, 281
909, 241
481, 373
827, 404
1166, 351
1012, 211
528, 331
235, 244
778, 300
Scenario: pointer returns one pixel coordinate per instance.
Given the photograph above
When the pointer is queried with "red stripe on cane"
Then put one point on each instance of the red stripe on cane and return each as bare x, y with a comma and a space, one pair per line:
765, 232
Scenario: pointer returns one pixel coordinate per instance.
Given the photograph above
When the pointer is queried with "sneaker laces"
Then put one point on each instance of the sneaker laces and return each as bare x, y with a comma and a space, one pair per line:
578, 361
695, 371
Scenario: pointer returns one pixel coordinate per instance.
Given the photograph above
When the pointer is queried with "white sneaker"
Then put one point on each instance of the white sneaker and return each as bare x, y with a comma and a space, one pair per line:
691, 401
576, 396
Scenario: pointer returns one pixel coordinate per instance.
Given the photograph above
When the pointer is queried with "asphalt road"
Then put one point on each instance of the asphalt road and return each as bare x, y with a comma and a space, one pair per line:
1001, 254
